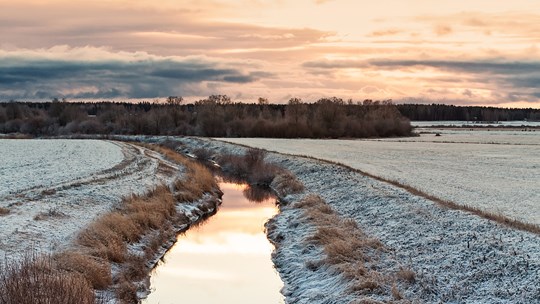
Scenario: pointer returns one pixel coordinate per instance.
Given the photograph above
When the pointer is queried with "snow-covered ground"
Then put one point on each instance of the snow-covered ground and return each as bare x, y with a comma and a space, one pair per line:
460, 123
26, 164
497, 171
479, 136
53, 188
457, 257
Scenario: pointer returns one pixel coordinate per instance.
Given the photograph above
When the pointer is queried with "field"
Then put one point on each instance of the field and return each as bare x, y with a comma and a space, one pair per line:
347, 237
53, 188
422, 252
497, 171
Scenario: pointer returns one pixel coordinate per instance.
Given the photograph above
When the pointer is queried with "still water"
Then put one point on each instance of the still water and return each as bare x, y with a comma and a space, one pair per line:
225, 260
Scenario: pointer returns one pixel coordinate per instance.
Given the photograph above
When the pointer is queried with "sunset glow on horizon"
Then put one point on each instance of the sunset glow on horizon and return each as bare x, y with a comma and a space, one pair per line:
476, 52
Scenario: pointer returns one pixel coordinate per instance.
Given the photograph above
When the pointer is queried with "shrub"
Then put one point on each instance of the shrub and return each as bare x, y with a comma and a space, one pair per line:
202, 154
262, 174
254, 157
286, 183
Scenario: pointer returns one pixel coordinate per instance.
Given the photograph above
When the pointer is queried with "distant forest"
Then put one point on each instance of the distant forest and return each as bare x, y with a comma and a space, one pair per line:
433, 112
215, 116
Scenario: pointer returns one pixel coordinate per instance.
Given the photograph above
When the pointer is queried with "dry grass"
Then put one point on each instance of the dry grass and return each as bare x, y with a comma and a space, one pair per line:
36, 280
102, 242
94, 270
347, 249
4, 211
152, 215
126, 292
396, 293
406, 275
496, 217
198, 179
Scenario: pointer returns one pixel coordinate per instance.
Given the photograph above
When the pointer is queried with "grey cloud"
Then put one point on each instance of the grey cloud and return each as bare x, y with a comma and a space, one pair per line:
109, 79
491, 67
519, 76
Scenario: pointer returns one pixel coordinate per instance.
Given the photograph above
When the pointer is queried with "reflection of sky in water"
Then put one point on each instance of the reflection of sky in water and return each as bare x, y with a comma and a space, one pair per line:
226, 260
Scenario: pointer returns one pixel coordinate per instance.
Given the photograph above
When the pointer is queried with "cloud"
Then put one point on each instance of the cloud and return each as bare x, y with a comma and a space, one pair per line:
334, 64
515, 26
383, 33
156, 29
470, 66
134, 76
443, 30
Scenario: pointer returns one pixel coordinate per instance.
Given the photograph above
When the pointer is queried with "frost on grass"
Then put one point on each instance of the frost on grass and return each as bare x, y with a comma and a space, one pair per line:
341, 261
500, 177
441, 255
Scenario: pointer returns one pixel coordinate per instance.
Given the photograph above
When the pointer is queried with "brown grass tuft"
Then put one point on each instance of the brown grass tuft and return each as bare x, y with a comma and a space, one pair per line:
134, 268
4, 211
406, 275
96, 271
126, 292
396, 293
103, 242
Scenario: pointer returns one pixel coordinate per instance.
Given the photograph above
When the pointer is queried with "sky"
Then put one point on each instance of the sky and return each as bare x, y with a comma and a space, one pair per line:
475, 52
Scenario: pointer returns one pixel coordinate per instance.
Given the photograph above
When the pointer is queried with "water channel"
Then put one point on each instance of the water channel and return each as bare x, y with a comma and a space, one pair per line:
225, 260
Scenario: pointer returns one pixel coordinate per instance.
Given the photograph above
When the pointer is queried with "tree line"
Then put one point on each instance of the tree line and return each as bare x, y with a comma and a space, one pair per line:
215, 116
434, 112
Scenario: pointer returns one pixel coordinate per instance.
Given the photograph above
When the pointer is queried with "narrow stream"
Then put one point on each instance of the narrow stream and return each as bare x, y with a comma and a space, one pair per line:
225, 260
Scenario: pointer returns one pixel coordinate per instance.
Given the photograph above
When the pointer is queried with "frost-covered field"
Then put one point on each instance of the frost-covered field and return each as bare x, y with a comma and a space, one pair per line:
456, 123
53, 188
26, 164
496, 171
479, 136
457, 257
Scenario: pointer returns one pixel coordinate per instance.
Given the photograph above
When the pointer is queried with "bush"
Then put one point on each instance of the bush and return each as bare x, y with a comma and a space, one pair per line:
286, 183
202, 154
